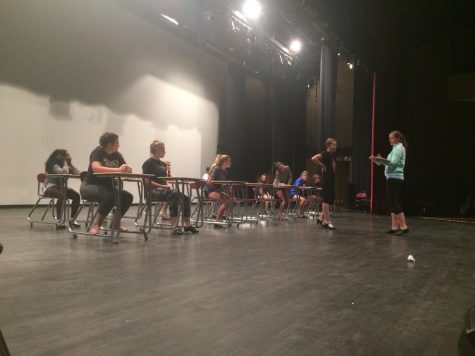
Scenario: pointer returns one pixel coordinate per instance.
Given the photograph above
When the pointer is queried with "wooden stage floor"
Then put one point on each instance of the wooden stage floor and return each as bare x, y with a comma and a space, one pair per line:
285, 288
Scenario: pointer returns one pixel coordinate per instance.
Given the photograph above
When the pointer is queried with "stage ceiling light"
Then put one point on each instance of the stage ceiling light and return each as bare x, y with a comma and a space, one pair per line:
170, 19
296, 46
252, 9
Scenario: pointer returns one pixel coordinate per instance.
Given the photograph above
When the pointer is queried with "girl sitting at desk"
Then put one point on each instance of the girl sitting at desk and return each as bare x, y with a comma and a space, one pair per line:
212, 191
60, 162
106, 159
163, 192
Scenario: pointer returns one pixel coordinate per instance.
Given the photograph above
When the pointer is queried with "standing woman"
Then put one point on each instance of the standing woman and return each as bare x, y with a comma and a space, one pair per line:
327, 163
394, 172
105, 159
282, 176
60, 162
161, 191
213, 191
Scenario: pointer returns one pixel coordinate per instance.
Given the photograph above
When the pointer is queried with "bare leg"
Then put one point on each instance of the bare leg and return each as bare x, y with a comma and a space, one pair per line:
401, 219
394, 222
96, 225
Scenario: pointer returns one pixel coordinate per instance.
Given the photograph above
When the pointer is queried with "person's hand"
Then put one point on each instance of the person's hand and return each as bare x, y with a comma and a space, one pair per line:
125, 168
167, 187
324, 168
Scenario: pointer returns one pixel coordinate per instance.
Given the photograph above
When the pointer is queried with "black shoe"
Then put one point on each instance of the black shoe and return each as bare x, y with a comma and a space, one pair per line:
177, 231
60, 227
319, 222
402, 232
329, 226
191, 229
219, 226
391, 231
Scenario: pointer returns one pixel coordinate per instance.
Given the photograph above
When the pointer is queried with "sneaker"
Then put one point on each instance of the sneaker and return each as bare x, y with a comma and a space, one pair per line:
177, 231
191, 229
60, 226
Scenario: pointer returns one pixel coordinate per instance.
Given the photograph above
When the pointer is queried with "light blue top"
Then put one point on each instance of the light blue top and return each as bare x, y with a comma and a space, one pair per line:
395, 168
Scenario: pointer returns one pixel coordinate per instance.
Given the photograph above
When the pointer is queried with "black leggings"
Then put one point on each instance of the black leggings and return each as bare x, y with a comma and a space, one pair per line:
173, 198
394, 195
55, 192
106, 197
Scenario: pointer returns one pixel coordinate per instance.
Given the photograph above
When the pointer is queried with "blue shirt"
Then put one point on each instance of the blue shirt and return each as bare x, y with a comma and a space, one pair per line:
299, 182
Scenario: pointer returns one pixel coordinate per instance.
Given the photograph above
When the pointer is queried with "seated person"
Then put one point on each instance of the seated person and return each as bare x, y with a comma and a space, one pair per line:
163, 192
213, 191
60, 162
106, 159
316, 181
263, 193
282, 176
301, 198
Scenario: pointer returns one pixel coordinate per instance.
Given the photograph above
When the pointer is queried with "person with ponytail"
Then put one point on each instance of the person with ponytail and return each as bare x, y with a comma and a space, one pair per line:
161, 191
326, 161
212, 191
282, 176
394, 172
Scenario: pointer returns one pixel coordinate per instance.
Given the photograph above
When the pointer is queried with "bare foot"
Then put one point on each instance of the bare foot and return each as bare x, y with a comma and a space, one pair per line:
95, 230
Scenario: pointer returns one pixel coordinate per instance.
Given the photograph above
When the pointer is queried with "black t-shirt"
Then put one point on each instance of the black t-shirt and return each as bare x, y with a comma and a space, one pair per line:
114, 160
216, 173
328, 159
156, 167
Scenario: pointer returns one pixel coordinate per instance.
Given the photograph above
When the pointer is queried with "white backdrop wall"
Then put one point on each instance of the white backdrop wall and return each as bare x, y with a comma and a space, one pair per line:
72, 70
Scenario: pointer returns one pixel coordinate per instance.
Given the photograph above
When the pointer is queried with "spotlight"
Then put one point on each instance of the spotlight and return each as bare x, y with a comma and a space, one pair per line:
252, 9
350, 65
338, 54
296, 46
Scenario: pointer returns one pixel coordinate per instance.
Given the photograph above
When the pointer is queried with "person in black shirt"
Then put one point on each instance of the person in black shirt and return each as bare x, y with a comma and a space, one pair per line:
105, 159
213, 191
326, 160
162, 191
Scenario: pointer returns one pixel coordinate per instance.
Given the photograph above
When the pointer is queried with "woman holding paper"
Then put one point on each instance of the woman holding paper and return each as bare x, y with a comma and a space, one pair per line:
394, 172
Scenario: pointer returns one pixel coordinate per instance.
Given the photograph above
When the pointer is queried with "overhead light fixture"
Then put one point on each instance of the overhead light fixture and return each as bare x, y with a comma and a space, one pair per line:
350, 65
170, 19
252, 9
296, 46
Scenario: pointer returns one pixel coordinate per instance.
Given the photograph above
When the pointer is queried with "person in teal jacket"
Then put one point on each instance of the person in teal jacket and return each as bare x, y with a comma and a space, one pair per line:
394, 172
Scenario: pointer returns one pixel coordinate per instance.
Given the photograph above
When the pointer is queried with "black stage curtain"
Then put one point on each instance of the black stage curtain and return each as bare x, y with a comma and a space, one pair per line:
327, 99
362, 106
262, 121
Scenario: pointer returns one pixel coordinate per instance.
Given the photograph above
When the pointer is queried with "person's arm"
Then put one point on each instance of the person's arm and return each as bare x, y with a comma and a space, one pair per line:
317, 159
97, 167
291, 178
396, 158
60, 170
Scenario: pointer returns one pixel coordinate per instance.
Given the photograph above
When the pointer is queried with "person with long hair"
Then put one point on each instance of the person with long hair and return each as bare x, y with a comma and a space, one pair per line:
282, 176
263, 193
326, 161
394, 172
60, 162
106, 158
212, 191
161, 191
